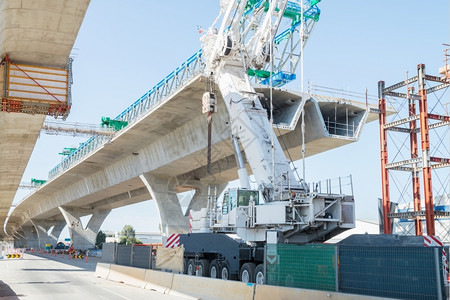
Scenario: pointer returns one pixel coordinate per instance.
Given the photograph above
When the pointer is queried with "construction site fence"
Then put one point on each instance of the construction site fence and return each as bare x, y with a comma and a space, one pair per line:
383, 271
139, 256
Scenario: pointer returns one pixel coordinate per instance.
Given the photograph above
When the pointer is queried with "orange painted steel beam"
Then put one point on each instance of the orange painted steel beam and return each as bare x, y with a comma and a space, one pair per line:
384, 159
425, 140
415, 173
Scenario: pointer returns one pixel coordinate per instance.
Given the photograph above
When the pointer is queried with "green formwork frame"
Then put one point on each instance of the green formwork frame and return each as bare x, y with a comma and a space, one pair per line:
312, 266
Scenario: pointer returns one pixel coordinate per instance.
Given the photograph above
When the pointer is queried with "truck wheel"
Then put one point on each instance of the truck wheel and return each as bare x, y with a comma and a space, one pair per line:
203, 268
259, 274
214, 269
225, 271
190, 267
185, 265
248, 272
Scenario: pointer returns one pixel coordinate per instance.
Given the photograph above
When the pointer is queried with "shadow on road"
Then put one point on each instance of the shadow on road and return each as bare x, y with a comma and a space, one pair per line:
44, 282
54, 270
6, 292
80, 263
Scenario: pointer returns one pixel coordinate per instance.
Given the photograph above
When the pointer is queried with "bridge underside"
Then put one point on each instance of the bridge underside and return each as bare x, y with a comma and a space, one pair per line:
170, 143
40, 33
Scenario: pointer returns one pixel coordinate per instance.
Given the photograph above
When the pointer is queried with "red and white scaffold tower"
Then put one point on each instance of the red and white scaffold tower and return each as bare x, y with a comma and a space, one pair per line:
426, 160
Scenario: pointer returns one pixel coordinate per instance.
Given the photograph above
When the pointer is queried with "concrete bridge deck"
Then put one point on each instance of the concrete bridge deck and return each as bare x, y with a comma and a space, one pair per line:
39, 33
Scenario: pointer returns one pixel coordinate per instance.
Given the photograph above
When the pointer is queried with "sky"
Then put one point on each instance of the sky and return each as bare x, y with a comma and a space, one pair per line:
123, 50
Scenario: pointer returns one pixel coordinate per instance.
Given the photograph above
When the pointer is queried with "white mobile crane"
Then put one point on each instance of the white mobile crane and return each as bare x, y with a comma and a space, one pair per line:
229, 243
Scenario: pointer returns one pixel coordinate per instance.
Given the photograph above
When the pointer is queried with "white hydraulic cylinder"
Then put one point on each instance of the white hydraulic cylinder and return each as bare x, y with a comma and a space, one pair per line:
244, 180
250, 124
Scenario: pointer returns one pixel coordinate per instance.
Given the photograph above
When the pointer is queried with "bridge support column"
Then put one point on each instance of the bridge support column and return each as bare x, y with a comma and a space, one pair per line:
84, 238
200, 199
163, 193
44, 237
19, 240
31, 237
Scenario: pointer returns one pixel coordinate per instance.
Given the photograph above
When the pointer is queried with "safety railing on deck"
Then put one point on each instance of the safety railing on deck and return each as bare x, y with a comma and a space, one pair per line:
83, 151
168, 86
342, 129
161, 91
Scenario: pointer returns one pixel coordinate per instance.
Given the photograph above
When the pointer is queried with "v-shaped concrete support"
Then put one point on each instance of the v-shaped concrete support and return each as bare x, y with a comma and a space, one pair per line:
84, 238
162, 190
43, 237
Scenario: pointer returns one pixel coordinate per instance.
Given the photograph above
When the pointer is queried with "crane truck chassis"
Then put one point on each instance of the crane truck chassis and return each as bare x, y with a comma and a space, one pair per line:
228, 238
214, 249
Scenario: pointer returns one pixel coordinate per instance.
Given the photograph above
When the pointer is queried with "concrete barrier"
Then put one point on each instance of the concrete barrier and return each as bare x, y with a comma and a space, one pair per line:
102, 270
193, 287
128, 275
158, 281
270, 292
211, 289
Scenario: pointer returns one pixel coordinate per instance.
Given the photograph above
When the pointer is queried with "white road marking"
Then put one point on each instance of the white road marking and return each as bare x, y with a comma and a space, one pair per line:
117, 294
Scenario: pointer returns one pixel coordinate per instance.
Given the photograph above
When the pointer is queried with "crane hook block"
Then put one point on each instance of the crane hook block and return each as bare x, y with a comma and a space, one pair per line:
228, 46
209, 102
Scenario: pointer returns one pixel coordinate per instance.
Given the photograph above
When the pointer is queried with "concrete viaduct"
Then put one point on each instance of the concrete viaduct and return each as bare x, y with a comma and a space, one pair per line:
162, 151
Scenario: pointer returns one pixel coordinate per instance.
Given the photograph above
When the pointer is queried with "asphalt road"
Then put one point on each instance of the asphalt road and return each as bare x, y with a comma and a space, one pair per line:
41, 277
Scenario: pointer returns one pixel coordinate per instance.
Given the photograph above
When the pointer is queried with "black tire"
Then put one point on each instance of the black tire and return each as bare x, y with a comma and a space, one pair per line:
190, 270
185, 264
225, 271
203, 268
214, 270
260, 276
247, 273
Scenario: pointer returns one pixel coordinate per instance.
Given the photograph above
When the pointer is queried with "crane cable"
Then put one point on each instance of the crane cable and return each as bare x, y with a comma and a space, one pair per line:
271, 102
287, 150
302, 31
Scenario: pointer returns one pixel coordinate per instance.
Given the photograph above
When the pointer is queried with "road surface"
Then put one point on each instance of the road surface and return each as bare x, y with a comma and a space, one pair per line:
39, 277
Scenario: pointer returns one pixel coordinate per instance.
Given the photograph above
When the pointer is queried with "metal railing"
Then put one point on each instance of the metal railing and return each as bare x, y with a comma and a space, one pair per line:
167, 87
163, 89
340, 185
160, 92
83, 151
341, 129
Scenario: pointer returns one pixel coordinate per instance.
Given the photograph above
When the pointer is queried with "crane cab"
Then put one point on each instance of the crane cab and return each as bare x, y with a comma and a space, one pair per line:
238, 198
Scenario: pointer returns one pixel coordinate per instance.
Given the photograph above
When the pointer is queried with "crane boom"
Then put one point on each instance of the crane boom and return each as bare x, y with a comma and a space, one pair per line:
249, 122
289, 207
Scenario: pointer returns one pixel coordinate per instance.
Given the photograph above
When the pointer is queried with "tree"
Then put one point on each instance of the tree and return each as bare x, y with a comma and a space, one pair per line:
101, 238
127, 236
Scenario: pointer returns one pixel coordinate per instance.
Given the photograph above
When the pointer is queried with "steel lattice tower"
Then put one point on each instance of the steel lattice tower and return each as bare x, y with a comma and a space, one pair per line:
409, 165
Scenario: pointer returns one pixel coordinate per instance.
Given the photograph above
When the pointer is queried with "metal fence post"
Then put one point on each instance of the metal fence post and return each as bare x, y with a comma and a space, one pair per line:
438, 273
150, 258
265, 264
336, 265
131, 254
115, 253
